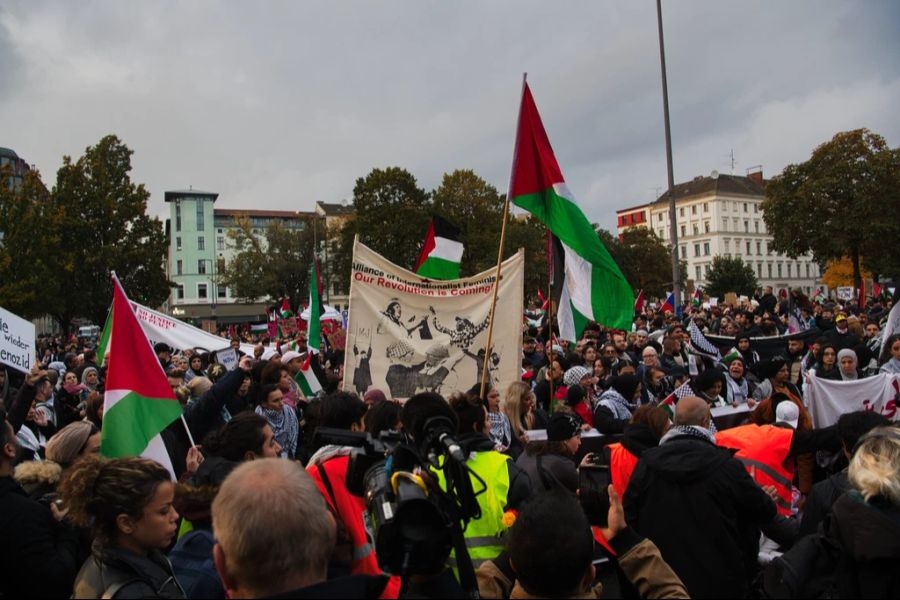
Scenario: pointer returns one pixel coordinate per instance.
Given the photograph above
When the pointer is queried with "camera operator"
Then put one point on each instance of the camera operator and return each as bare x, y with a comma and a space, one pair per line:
328, 468
499, 484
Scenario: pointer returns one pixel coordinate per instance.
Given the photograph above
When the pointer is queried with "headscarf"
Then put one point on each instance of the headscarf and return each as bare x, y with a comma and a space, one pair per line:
853, 373
84, 375
66, 444
285, 426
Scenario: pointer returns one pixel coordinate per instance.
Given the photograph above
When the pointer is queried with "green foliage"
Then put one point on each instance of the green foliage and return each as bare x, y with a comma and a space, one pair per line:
843, 201
29, 234
730, 275
273, 269
105, 227
643, 258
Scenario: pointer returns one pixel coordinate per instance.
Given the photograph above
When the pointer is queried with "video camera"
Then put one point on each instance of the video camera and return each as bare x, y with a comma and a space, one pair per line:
412, 520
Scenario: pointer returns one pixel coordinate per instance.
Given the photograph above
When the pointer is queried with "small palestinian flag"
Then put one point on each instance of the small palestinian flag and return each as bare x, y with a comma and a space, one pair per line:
306, 378
668, 405
697, 298
732, 354
639, 302
441, 252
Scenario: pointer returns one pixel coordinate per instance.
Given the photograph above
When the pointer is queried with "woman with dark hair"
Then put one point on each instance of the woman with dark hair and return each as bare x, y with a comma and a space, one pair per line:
826, 363
70, 400
276, 373
195, 368
890, 358
128, 504
671, 354
93, 409
382, 416
281, 418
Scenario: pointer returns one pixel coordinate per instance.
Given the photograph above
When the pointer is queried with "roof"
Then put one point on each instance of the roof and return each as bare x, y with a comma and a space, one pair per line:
175, 194
331, 209
8, 153
239, 212
632, 209
723, 184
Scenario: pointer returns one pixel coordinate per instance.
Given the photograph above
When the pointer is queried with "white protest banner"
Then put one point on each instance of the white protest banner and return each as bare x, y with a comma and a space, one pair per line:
891, 327
17, 347
408, 334
829, 399
845, 293
178, 334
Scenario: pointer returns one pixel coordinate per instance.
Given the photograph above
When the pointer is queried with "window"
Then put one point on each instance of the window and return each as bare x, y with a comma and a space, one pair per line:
759, 270
745, 207
697, 271
200, 223
759, 248
770, 270
747, 226
177, 216
178, 243
681, 212
683, 234
180, 292
724, 223
705, 248
220, 231
807, 270
201, 243
756, 226
748, 248
696, 249
220, 243
201, 291
696, 229
789, 269
684, 252
201, 267
727, 245
221, 291
779, 271
755, 207
706, 207
178, 267
706, 226
768, 251
694, 209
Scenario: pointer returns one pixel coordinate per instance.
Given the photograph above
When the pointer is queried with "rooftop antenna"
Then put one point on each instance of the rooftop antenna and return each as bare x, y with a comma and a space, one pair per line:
657, 190
732, 161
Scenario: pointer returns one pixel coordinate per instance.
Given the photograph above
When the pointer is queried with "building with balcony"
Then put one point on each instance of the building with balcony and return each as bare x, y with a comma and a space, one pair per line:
17, 166
721, 215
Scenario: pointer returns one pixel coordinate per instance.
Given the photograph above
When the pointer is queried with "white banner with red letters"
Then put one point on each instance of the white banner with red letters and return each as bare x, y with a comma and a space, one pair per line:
828, 400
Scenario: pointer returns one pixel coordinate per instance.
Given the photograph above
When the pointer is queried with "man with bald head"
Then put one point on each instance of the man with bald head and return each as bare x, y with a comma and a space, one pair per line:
699, 506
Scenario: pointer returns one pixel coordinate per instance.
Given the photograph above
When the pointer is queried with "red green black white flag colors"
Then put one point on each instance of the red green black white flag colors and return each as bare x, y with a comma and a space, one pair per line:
314, 334
138, 403
441, 252
594, 288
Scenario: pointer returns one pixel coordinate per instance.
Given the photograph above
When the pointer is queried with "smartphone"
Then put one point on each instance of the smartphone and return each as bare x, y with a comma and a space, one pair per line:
594, 479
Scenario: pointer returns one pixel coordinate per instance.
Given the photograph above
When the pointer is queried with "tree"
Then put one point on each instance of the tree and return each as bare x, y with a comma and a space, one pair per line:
643, 258
29, 246
840, 273
730, 275
272, 268
843, 201
392, 215
105, 227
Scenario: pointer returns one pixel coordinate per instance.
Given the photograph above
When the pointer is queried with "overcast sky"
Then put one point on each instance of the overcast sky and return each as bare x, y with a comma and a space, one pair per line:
278, 104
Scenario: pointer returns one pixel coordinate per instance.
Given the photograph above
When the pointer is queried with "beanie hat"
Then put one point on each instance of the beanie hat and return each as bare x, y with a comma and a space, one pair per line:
66, 444
625, 384
574, 375
374, 396
563, 426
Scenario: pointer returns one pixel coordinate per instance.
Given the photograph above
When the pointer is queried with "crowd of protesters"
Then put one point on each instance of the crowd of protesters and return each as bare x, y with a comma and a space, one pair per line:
260, 506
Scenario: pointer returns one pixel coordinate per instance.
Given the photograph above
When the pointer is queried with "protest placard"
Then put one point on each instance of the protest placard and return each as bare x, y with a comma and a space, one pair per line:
17, 347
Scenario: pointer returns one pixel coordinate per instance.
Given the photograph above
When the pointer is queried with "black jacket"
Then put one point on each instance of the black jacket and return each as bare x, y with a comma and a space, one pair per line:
638, 437
117, 572
205, 414
351, 586
820, 500
697, 503
38, 556
855, 557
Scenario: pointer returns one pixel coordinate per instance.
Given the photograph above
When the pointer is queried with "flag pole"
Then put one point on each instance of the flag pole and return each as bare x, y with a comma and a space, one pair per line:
490, 336
549, 339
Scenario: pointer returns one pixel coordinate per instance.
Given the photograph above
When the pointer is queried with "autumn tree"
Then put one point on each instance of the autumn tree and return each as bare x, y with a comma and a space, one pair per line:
730, 275
271, 267
839, 272
30, 259
104, 226
843, 201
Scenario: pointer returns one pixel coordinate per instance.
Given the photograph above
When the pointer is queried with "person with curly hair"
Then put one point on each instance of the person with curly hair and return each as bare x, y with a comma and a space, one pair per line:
127, 502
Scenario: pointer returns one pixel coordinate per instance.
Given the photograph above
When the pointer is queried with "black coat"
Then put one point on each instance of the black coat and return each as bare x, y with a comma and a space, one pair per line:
38, 556
122, 573
697, 503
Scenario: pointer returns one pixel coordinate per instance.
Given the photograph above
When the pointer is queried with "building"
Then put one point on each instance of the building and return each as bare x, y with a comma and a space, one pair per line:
199, 250
721, 215
335, 216
9, 158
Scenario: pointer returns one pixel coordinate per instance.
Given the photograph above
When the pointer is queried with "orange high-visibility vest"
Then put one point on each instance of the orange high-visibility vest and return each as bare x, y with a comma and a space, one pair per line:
621, 466
763, 449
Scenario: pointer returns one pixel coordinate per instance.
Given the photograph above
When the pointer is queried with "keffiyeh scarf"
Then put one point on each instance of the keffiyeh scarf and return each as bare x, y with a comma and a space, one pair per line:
284, 425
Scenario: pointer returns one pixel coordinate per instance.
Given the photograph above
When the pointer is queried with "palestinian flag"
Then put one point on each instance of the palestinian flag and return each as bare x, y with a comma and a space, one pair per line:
442, 251
697, 298
306, 378
594, 288
732, 354
639, 302
668, 405
138, 403
103, 344
314, 334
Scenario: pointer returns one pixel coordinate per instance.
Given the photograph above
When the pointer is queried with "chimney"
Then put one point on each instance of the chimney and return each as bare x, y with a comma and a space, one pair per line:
756, 174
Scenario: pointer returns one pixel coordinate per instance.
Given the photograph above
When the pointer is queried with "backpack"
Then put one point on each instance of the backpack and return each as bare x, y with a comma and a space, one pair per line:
192, 562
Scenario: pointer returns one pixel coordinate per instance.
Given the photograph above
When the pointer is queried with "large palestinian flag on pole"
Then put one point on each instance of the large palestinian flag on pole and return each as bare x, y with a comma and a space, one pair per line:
441, 252
138, 403
593, 288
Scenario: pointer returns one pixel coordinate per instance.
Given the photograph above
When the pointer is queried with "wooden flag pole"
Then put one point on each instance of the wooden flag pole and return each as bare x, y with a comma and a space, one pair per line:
490, 336
548, 353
